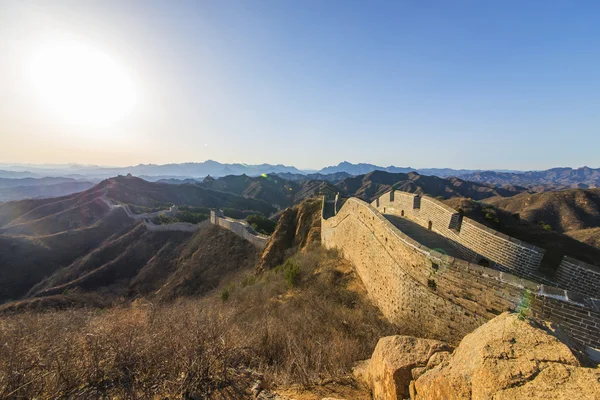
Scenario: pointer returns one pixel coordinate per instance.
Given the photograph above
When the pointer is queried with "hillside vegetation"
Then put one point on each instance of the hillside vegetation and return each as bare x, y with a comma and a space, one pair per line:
307, 331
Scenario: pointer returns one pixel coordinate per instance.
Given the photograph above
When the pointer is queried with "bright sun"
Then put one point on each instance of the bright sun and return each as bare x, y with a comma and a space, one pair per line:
82, 84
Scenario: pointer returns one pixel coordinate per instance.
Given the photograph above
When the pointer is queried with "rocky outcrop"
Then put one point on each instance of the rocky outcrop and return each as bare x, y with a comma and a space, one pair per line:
506, 358
390, 370
510, 358
297, 227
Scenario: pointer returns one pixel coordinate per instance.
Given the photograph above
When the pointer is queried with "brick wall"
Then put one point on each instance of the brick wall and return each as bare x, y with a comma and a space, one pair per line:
580, 320
579, 276
474, 240
414, 286
438, 296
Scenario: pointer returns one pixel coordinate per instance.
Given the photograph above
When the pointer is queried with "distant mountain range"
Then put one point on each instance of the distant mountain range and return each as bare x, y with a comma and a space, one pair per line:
551, 179
362, 168
183, 170
555, 178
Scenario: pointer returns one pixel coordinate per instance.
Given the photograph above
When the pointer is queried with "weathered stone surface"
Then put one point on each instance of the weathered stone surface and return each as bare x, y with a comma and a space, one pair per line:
361, 371
389, 372
509, 358
426, 297
297, 227
437, 359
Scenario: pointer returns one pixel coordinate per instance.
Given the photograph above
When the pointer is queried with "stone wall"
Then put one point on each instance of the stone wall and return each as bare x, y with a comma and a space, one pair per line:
413, 285
474, 240
578, 316
579, 276
436, 295
240, 228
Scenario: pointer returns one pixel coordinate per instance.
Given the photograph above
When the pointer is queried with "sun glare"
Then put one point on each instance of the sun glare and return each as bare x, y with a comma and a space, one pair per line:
82, 84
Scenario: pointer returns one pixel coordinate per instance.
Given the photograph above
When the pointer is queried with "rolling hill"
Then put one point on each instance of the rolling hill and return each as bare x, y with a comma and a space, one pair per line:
564, 211
574, 212
531, 231
374, 184
51, 247
271, 189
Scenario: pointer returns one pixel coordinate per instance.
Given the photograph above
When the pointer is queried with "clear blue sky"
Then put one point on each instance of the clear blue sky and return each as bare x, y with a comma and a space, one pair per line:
477, 84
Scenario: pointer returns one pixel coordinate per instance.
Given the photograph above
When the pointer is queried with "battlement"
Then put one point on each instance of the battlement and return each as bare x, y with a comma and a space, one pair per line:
445, 296
485, 246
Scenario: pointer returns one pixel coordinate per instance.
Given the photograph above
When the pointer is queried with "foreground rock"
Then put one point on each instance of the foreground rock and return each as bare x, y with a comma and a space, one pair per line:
509, 358
506, 358
390, 370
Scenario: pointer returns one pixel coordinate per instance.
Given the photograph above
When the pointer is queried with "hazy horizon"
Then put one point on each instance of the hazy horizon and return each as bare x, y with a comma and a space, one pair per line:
304, 169
473, 85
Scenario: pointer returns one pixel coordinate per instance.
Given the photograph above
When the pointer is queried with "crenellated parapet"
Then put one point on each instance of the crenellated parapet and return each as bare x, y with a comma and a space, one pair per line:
439, 295
481, 244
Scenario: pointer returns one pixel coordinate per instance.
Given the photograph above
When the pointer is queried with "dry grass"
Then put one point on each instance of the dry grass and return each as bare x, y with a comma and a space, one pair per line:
307, 334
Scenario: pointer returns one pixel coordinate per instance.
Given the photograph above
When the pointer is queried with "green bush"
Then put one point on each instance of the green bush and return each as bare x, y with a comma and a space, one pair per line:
261, 224
225, 295
248, 280
227, 291
191, 217
291, 273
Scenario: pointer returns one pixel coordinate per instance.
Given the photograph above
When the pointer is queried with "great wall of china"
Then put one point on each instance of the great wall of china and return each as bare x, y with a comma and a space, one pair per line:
427, 266
239, 227
420, 261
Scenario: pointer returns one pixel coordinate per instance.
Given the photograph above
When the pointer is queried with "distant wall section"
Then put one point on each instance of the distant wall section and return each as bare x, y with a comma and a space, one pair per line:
240, 228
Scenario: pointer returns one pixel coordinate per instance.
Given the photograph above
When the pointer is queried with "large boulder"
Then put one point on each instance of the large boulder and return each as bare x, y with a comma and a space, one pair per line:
389, 372
509, 358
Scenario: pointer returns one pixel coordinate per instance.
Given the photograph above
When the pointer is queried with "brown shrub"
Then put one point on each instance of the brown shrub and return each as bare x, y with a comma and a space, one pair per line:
306, 334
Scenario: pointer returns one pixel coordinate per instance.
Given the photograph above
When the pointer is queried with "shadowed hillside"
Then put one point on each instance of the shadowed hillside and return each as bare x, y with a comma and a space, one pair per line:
51, 247
27, 260
131, 190
272, 189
